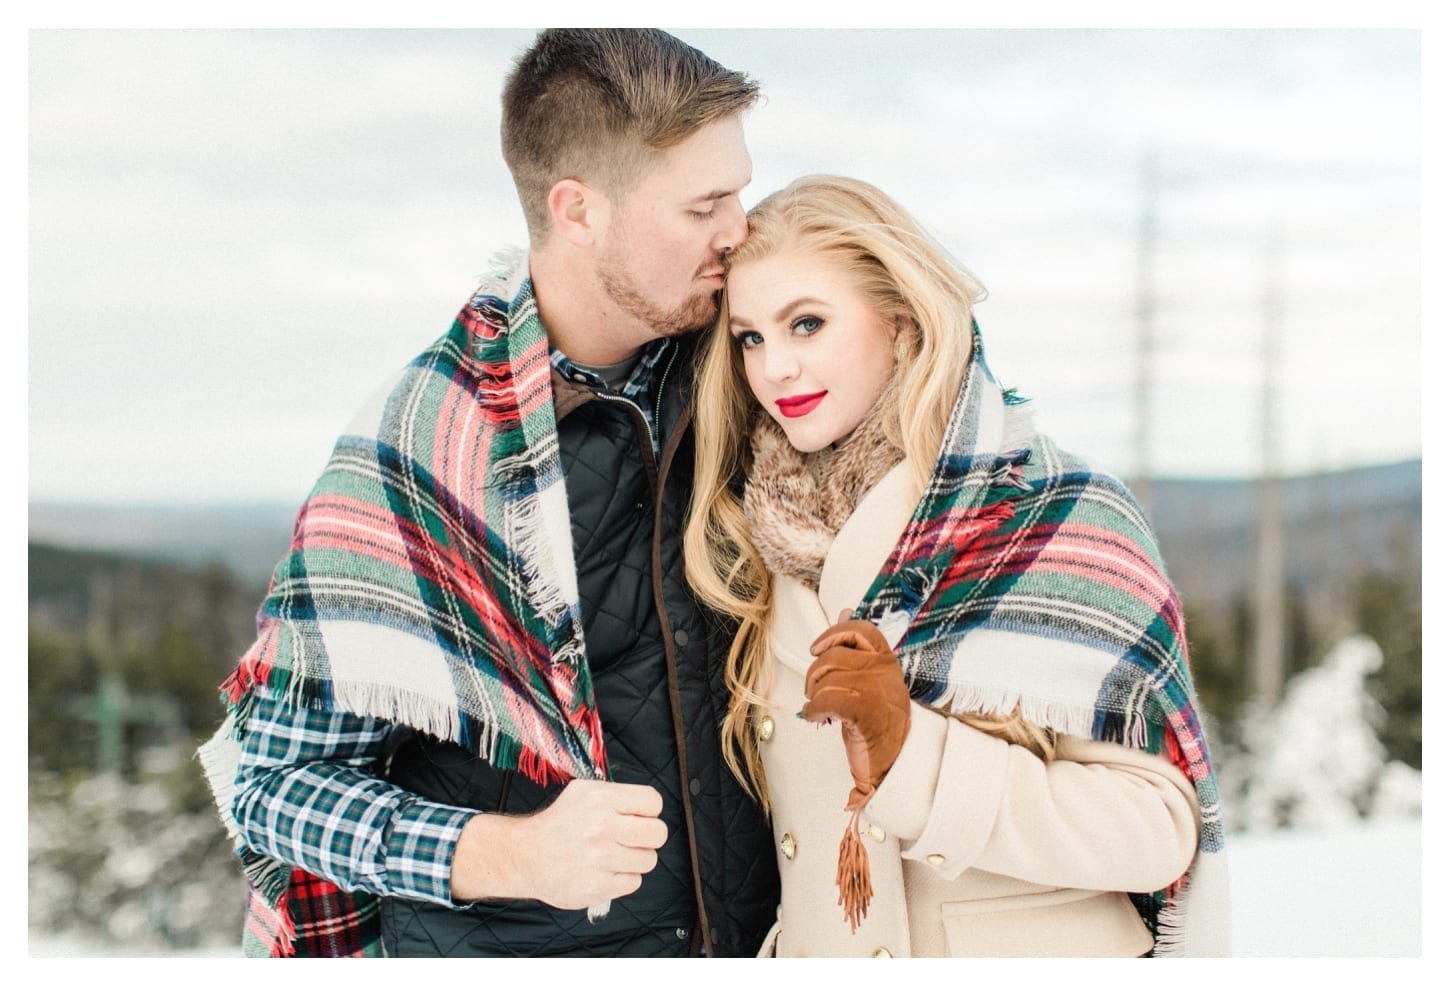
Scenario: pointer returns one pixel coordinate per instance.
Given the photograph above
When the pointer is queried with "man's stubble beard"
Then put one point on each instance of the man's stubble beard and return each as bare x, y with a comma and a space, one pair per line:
695, 312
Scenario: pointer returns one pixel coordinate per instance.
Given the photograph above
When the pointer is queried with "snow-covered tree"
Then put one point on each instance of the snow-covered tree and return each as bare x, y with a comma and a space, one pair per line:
1315, 760
135, 863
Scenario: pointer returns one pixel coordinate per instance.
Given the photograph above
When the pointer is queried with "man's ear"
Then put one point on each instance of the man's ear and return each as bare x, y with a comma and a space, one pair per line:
579, 212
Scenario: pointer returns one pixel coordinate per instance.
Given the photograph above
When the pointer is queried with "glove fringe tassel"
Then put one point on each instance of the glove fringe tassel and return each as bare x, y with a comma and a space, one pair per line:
853, 873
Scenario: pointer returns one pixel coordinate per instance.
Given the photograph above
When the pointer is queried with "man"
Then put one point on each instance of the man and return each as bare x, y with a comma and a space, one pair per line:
482, 713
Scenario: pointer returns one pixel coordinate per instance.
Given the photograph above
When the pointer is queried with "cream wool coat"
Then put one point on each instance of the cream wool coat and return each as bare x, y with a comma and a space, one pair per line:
977, 847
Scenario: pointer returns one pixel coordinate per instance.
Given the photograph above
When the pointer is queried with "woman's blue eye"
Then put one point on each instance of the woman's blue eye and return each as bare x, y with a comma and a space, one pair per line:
748, 340
806, 324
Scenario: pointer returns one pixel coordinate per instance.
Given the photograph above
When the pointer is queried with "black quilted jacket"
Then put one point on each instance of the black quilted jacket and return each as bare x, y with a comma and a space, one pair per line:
657, 662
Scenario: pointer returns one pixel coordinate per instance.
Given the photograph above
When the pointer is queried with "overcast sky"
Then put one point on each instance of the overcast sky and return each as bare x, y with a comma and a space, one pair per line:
236, 236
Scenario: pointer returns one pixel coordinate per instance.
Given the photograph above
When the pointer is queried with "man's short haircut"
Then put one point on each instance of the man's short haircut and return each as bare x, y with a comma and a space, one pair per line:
594, 104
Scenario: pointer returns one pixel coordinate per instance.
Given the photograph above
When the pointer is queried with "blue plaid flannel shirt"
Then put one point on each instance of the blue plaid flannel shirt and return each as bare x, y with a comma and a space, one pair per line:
306, 794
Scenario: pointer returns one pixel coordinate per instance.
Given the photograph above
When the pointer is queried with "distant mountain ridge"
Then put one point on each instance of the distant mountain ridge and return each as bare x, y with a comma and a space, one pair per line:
1337, 525
248, 538
1366, 516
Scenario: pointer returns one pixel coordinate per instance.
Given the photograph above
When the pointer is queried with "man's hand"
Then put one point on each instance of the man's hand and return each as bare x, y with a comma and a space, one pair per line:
593, 844
857, 679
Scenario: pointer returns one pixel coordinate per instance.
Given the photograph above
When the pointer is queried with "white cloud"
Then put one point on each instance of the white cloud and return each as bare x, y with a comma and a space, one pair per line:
236, 235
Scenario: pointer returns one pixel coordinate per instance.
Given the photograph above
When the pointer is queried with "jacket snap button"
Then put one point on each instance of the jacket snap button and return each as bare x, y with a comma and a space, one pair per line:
766, 729
877, 832
681, 637
787, 845
881, 952
681, 934
936, 859
695, 785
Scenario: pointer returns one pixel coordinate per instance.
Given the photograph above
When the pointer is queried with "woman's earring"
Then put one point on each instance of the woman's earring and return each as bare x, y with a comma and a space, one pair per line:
904, 330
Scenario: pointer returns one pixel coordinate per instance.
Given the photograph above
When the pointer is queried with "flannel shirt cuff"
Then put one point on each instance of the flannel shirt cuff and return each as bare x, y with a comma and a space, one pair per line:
420, 845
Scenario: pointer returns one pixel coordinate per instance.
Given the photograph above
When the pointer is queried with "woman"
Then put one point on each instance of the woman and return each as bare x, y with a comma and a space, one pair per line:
991, 659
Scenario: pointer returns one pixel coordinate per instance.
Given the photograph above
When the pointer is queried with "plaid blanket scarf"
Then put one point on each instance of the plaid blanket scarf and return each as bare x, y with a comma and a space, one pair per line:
429, 582
1024, 578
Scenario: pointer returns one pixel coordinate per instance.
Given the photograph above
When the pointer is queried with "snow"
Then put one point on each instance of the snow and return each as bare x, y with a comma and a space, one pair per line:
1325, 860
1353, 891
1315, 761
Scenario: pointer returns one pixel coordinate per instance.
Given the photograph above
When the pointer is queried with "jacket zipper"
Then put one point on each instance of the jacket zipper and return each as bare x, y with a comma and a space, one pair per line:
655, 463
652, 425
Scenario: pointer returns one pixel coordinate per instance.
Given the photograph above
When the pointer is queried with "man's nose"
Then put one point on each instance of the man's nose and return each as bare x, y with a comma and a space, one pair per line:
733, 227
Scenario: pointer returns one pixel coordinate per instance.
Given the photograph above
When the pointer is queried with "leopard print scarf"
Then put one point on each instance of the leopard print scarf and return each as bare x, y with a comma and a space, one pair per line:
796, 502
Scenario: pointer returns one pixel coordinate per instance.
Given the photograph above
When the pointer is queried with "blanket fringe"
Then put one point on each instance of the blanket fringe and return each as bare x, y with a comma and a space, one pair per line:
535, 767
269, 930
1129, 729
506, 269
490, 741
1019, 426
551, 585
973, 700
269, 919
1172, 920
219, 756
378, 700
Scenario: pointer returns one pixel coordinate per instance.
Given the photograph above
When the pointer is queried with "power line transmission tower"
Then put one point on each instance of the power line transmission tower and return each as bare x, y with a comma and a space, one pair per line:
1145, 315
1269, 654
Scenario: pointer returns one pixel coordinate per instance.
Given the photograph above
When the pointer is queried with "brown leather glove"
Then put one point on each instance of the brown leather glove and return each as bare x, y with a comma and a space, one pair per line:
857, 679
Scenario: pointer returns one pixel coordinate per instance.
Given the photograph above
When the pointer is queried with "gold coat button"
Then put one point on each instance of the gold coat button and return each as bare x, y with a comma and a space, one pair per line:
881, 952
936, 859
787, 845
765, 730
877, 832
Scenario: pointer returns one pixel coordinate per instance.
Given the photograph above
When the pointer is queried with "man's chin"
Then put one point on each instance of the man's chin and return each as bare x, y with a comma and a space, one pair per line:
694, 317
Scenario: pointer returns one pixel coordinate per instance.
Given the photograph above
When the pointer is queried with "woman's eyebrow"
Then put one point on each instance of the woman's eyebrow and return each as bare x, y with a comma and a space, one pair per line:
789, 307
784, 312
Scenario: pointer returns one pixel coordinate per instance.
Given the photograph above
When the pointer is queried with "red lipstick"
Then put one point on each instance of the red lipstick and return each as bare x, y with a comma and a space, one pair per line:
799, 407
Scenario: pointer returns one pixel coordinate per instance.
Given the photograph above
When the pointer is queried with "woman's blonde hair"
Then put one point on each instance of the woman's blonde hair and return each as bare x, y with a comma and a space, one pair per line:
910, 280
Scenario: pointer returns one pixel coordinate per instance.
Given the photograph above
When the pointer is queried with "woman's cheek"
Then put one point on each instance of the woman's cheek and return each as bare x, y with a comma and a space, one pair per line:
755, 387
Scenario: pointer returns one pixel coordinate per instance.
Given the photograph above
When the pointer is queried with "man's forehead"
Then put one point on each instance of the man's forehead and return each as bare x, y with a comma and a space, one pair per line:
712, 163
